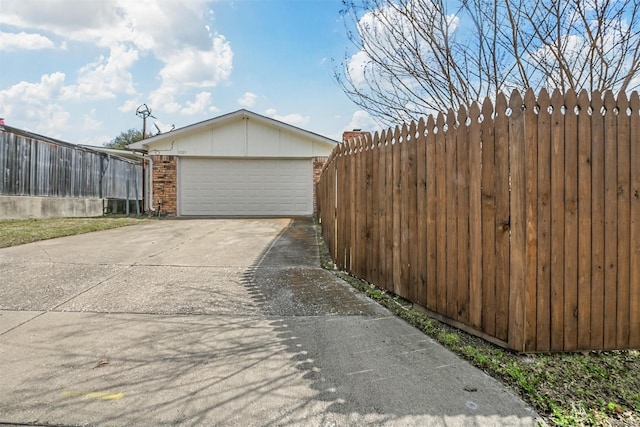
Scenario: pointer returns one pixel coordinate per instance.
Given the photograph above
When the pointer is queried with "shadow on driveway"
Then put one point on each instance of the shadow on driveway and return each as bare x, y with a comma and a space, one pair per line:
296, 346
369, 366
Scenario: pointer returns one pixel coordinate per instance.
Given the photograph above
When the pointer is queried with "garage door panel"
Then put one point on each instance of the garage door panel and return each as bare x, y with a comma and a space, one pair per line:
245, 187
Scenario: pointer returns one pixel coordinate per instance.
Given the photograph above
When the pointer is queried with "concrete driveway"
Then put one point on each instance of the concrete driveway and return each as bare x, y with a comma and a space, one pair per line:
217, 322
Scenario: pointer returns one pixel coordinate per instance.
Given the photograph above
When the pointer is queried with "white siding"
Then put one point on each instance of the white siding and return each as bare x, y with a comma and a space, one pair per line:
241, 137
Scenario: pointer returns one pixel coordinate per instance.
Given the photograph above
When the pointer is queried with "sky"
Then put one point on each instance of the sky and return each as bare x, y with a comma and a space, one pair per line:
77, 70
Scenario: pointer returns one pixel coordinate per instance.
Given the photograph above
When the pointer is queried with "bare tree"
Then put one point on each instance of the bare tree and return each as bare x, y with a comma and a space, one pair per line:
418, 56
593, 44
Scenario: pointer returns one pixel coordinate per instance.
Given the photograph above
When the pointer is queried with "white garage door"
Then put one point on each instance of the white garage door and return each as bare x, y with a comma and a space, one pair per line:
245, 187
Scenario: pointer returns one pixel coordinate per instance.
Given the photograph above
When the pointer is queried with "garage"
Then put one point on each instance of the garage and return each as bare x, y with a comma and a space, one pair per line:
245, 187
238, 164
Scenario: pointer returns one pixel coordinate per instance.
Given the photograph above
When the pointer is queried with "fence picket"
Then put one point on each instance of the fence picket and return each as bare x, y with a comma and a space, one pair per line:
597, 224
531, 212
557, 221
421, 215
412, 225
441, 215
584, 222
338, 187
373, 208
432, 215
634, 235
503, 220
610, 219
488, 220
570, 222
378, 207
345, 184
451, 145
475, 218
518, 222
462, 216
623, 219
389, 194
361, 209
543, 313
404, 229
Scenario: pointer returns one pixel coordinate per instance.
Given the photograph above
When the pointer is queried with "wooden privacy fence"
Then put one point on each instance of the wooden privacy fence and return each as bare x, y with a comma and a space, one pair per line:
520, 223
37, 166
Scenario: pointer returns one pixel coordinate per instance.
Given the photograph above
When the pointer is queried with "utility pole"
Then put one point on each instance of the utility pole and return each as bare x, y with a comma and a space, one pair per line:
144, 111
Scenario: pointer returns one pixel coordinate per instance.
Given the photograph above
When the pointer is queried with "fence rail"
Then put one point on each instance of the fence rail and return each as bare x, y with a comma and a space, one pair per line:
37, 166
519, 221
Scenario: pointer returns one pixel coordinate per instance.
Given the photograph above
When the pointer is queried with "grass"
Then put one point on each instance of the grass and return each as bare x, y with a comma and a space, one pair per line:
20, 231
566, 389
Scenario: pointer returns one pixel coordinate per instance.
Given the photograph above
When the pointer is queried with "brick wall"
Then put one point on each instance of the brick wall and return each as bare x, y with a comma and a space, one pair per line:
165, 181
318, 164
349, 134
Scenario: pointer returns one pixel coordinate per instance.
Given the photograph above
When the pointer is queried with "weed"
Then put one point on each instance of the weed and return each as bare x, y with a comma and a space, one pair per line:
374, 293
560, 418
449, 339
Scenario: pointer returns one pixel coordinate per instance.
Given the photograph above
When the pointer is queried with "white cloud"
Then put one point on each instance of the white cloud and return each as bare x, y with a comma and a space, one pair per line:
386, 31
106, 77
359, 120
66, 18
359, 66
163, 100
247, 100
295, 119
90, 122
35, 103
362, 120
147, 24
25, 93
192, 67
199, 105
130, 105
24, 41
51, 120
173, 31
173, 35
165, 26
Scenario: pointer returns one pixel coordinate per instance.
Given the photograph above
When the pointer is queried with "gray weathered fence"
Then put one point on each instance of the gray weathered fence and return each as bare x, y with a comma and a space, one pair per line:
34, 165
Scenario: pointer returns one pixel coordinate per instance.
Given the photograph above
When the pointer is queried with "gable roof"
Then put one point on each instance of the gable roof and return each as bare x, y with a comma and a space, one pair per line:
144, 144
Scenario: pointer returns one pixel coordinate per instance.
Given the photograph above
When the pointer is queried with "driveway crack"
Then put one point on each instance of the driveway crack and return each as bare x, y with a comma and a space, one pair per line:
91, 287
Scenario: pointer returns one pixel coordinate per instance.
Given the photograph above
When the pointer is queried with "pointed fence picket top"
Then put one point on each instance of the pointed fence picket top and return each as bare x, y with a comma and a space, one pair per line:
516, 220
